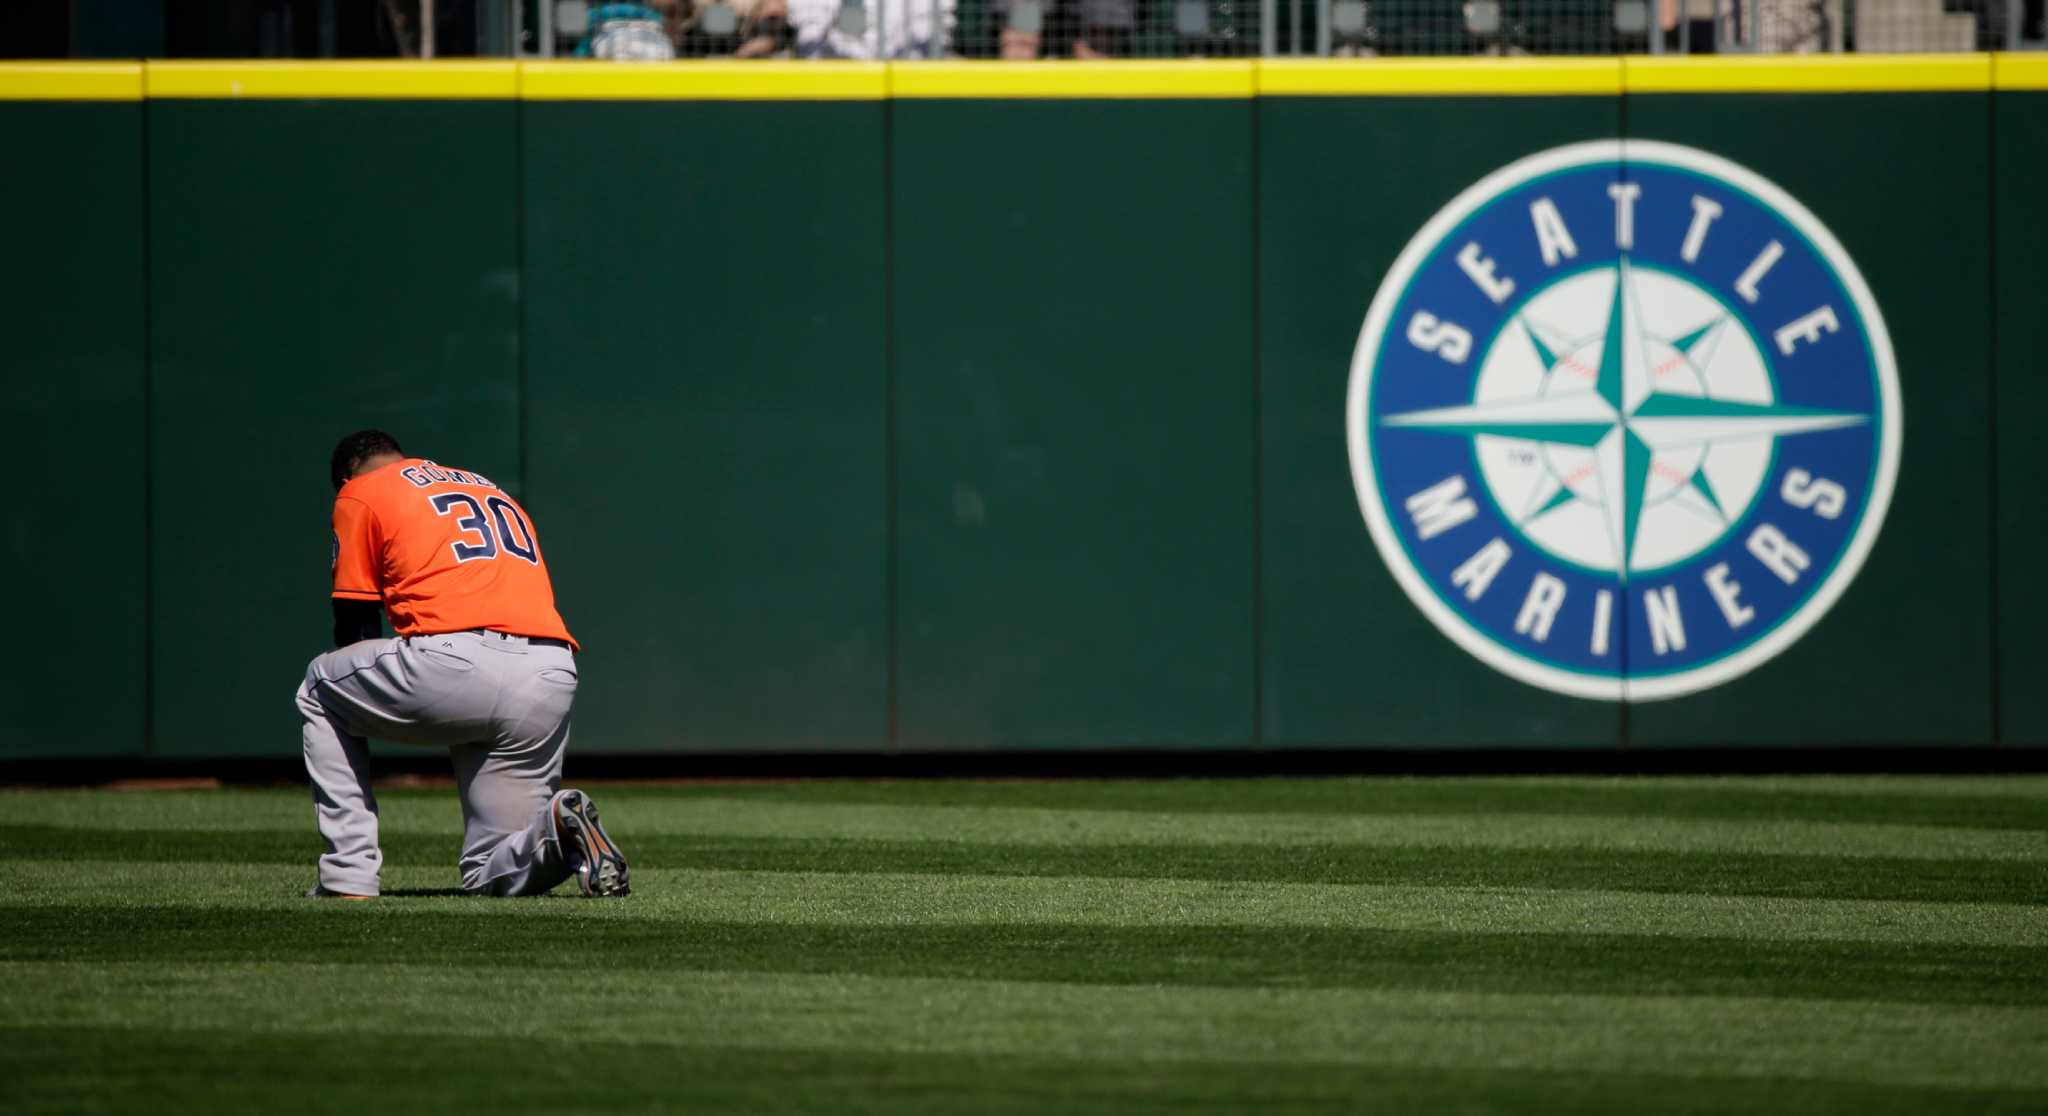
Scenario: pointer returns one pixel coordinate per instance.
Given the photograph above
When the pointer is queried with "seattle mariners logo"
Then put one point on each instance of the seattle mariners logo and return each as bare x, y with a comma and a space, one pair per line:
1624, 420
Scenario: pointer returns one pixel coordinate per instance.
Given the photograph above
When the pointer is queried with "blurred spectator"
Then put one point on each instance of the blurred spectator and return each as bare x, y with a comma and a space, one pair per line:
629, 33
852, 28
659, 30
1065, 28
1789, 26
739, 28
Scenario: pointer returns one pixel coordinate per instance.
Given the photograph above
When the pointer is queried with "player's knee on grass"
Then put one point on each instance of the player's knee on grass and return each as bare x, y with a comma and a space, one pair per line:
533, 879
503, 887
475, 881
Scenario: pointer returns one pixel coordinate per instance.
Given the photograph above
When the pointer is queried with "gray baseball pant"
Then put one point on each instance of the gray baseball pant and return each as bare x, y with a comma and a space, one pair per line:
498, 703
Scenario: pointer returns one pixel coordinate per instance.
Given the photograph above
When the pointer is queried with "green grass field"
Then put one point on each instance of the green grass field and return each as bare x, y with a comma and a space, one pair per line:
1864, 944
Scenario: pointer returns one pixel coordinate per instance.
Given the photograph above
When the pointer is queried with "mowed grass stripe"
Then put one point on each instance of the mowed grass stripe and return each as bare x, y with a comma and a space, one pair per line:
928, 900
1982, 802
1979, 802
1942, 1046
1207, 956
49, 1070
1020, 826
1698, 873
2034, 787
708, 816
903, 899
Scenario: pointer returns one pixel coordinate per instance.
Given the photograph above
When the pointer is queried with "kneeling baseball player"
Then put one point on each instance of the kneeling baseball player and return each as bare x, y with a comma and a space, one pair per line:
482, 666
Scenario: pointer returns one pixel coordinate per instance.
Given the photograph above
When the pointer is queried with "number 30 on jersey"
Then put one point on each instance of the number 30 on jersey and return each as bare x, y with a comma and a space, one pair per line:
496, 523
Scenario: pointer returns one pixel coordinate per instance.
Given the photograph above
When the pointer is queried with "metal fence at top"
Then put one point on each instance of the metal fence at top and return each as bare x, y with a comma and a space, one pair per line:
1026, 29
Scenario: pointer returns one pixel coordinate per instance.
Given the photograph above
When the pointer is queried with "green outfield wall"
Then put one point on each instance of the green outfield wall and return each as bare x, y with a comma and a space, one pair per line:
706, 344
2019, 405
76, 554
943, 407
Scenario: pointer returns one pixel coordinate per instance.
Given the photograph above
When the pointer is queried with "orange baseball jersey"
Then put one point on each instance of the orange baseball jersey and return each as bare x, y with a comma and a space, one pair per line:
445, 550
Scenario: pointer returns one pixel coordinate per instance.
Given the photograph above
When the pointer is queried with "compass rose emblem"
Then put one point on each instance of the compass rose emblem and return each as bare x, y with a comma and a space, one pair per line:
1624, 420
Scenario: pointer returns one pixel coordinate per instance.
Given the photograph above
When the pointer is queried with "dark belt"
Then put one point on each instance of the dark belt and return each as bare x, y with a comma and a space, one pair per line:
531, 641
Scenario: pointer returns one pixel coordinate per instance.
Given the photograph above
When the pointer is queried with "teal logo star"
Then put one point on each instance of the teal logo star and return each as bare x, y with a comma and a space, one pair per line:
1625, 417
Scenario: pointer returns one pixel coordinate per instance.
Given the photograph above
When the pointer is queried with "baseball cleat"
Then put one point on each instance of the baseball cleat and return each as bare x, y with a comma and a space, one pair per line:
320, 891
599, 865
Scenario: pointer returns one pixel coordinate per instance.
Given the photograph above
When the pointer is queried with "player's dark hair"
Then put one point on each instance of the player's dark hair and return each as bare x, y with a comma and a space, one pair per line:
352, 451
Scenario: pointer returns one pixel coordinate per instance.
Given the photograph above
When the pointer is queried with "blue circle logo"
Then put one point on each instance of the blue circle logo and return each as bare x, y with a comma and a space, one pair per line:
1624, 420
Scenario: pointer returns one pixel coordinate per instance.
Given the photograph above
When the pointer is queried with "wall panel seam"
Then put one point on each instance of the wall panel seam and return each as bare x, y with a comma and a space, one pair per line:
1991, 375
148, 442
891, 516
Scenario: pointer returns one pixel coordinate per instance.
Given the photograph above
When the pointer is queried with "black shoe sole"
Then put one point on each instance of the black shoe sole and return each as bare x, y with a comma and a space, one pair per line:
600, 866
